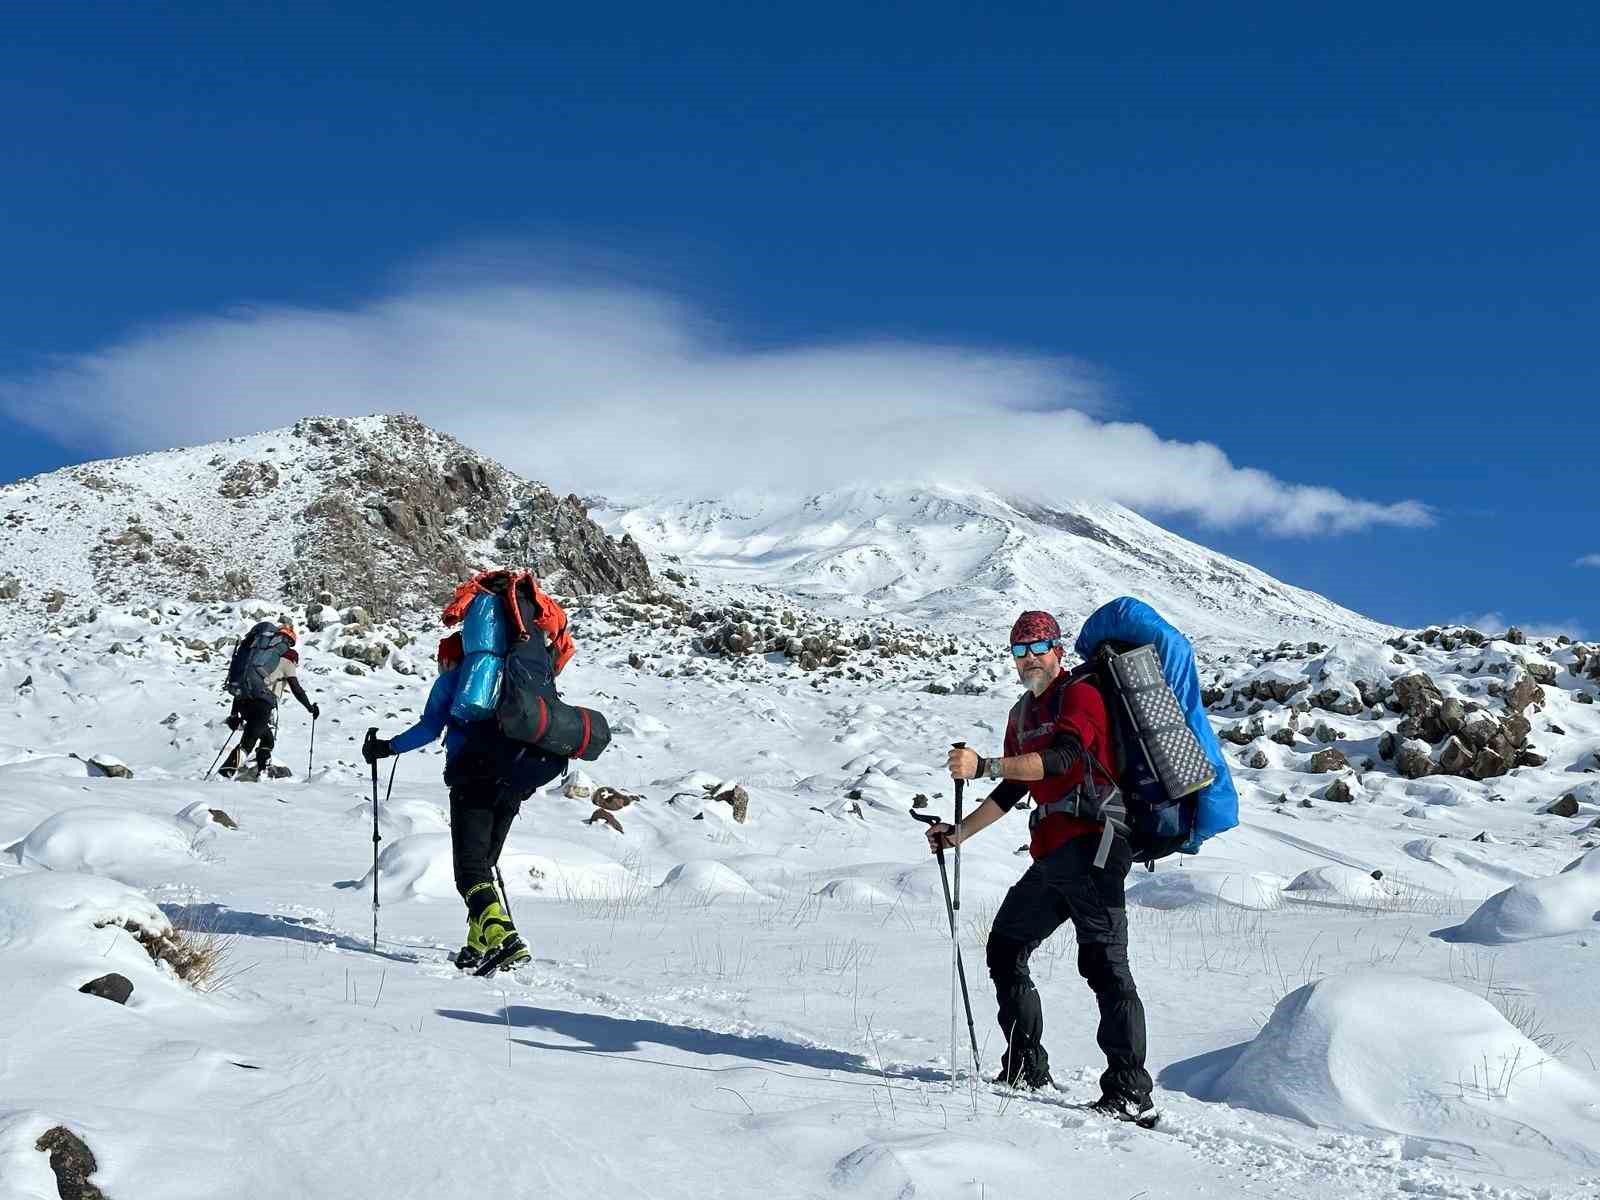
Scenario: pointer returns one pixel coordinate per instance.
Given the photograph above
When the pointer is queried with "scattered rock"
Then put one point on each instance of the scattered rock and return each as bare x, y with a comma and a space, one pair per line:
1567, 806
279, 771
1515, 636
1327, 760
1455, 757
736, 798
1338, 792
1258, 760
72, 1163
919, 801
1413, 759
635, 661
1583, 697
113, 987
1284, 736
222, 818
601, 814
937, 689
613, 799
578, 786
112, 768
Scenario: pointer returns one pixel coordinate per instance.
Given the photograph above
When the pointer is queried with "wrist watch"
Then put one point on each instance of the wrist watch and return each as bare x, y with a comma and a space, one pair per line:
991, 768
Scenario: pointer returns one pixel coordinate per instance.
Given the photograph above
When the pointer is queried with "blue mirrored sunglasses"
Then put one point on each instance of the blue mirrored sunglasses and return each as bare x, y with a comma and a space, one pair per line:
1023, 649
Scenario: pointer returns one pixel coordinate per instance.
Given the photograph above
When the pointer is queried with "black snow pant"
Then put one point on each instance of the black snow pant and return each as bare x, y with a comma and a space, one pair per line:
1064, 886
480, 818
258, 735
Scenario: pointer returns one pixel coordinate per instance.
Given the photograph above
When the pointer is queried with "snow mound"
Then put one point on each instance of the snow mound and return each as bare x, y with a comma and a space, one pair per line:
705, 879
643, 726
1341, 885
1189, 887
401, 818
60, 910
1566, 902
565, 870
49, 766
854, 891
102, 840
1401, 1054
417, 867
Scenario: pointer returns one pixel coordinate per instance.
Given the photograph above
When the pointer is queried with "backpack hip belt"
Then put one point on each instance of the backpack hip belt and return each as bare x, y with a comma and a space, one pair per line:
1090, 804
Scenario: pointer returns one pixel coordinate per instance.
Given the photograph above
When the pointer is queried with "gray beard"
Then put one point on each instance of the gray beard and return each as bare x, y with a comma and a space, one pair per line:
1038, 682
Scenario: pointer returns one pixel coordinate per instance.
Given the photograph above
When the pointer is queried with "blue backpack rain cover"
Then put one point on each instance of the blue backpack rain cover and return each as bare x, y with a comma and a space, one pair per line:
1131, 621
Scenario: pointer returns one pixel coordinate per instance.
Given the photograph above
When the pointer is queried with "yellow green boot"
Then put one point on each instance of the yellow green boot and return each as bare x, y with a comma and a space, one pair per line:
499, 946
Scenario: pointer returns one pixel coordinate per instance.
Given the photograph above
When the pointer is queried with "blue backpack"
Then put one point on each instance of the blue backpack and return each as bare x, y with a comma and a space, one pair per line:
1158, 823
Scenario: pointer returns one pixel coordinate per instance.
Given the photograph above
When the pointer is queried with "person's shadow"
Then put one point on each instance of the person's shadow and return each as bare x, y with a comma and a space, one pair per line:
618, 1036
230, 922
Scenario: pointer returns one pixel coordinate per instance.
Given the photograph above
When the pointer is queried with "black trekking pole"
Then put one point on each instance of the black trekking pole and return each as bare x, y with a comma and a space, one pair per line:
960, 967
372, 735
505, 900
218, 758
311, 754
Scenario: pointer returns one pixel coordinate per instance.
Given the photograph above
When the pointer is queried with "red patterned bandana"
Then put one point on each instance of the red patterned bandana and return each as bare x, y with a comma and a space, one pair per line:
1035, 626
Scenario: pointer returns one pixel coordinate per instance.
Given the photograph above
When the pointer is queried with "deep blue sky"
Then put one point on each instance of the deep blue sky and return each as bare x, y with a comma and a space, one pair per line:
1352, 245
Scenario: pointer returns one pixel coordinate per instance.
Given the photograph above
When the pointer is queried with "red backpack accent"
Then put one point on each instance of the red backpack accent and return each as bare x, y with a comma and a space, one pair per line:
551, 621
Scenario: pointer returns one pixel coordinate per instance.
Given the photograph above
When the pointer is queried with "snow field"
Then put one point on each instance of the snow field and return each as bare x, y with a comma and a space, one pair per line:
714, 1002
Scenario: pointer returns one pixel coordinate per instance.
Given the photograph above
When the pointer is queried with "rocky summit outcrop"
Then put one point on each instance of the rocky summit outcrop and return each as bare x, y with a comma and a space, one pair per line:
381, 511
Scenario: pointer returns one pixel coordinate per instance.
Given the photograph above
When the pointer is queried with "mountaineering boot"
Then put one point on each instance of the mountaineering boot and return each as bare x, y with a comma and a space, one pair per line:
231, 765
502, 946
1139, 1110
470, 956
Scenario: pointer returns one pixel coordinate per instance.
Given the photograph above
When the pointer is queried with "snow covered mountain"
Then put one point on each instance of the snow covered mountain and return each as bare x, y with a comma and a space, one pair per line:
970, 556
381, 510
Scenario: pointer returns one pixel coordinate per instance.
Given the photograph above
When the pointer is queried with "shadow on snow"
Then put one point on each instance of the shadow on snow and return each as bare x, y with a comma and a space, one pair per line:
619, 1037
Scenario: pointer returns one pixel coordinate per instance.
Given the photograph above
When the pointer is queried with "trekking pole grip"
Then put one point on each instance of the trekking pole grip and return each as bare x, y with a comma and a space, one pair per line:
960, 789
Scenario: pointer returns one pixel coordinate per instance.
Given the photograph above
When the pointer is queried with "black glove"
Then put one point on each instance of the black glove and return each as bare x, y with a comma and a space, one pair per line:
375, 748
233, 722
315, 710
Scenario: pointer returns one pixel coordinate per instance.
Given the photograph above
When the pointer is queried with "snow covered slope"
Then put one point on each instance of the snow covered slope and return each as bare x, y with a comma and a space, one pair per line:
975, 558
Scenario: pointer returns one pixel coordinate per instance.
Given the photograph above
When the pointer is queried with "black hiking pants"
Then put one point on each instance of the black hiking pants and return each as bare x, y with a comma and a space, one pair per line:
1066, 886
256, 716
480, 818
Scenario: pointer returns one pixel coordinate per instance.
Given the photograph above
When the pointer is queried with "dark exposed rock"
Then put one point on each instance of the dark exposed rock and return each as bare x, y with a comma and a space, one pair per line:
1413, 761
1258, 761
108, 767
1567, 806
1338, 792
737, 799
1516, 637
113, 987
1284, 737
1455, 757
222, 818
1520, 692
1416, 695
1327, 760
72, 1162
1388, 746
247, 478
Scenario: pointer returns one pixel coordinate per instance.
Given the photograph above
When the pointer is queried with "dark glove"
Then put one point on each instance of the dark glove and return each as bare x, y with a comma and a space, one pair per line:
233, 722
375, 748
315, 710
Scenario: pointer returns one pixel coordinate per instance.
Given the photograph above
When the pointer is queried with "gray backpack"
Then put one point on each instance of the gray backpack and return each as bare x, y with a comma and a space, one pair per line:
255, 658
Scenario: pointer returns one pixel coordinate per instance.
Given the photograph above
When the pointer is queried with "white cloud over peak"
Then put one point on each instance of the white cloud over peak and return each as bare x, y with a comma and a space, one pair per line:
627, 391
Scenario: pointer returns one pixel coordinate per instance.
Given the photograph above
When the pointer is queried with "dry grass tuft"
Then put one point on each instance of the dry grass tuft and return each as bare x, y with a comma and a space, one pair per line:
198, 952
